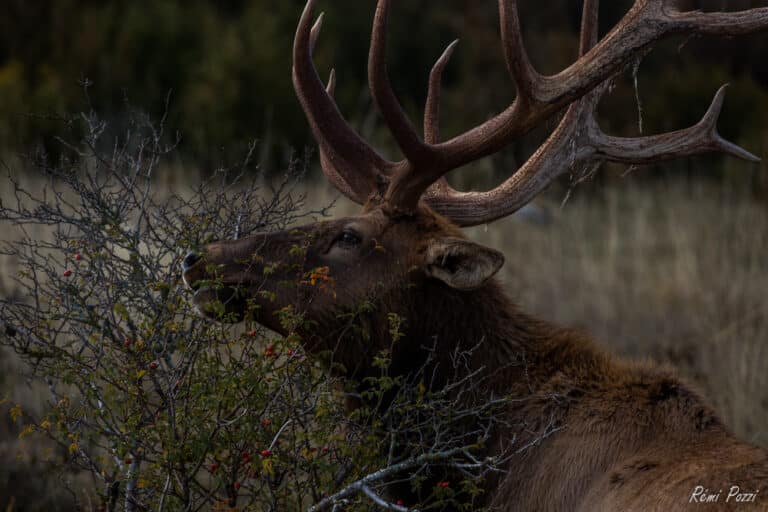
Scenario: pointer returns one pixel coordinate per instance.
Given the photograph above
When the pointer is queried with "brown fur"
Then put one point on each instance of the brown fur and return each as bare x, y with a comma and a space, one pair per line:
629, 436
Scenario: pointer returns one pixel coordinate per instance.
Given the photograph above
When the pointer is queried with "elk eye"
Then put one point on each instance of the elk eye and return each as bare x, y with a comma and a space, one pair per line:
348, 239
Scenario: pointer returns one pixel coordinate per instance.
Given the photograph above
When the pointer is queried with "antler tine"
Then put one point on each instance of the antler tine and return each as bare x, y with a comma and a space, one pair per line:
381, 90
314, 33
579, 142
432, 107
719, 23
588, 38
345, 156
697, 139
432, 113
588, 35
325, 162
525, 77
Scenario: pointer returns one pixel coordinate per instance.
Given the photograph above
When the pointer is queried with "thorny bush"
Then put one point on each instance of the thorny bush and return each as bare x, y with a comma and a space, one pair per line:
169, 411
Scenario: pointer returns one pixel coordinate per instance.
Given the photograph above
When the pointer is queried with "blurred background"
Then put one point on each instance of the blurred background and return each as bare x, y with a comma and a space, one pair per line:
667, 262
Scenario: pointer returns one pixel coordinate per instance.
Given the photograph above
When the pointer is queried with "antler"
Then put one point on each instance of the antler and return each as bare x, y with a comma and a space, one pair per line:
360, 172
578, 142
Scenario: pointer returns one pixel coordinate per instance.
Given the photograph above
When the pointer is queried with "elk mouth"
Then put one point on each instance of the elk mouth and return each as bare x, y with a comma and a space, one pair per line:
220, 300
225, 303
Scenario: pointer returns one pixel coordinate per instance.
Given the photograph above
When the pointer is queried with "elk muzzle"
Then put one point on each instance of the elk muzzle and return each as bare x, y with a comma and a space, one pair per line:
249, 278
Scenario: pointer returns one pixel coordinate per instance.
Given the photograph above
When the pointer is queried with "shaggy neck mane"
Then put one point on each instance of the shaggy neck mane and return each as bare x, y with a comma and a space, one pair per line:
520, 351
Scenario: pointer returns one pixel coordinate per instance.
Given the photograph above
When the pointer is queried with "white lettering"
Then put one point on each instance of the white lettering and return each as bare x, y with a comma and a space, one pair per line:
697, 491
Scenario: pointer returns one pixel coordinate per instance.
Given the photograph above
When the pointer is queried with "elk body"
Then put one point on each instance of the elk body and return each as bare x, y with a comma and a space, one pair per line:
633, 437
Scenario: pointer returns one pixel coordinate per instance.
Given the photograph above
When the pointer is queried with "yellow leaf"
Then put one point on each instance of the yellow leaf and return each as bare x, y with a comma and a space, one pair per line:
73, 448
45, 424
266, 465
26, 431
421, 390
15, 412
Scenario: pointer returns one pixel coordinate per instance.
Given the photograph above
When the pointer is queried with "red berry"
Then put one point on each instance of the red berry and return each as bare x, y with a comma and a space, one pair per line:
444, 485
127, 342
128, 460
251, 333
67, 273
236, 485
78, 256
153, 365
290, 351
265, 422
266, 453
399, 503
213, 467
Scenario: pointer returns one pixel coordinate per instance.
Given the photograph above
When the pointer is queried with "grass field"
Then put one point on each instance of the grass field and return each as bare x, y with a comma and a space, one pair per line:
668, 270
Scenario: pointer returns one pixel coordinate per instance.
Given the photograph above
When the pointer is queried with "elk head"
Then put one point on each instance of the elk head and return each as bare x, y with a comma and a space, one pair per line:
405, 253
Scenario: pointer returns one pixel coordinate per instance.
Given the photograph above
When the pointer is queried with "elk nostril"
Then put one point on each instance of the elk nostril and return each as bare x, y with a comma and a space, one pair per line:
190, 259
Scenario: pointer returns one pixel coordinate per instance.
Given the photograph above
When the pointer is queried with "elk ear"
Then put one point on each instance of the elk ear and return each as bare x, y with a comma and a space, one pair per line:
462, 264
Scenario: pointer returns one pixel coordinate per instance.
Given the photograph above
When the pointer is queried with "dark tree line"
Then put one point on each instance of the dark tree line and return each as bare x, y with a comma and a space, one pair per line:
226, 68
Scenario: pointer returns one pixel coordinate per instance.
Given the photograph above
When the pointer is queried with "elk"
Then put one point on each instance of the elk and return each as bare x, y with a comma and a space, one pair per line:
634, 436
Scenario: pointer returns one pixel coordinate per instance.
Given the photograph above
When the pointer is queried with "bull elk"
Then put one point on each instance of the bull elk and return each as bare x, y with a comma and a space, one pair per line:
634, 437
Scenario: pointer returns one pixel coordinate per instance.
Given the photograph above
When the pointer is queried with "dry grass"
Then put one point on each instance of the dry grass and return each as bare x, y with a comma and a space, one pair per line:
671, 271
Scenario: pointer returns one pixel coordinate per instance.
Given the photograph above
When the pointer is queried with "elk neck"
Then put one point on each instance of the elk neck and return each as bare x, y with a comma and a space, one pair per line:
518, 352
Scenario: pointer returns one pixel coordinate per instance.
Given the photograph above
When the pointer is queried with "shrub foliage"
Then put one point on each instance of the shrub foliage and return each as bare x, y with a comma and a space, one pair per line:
168, 411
